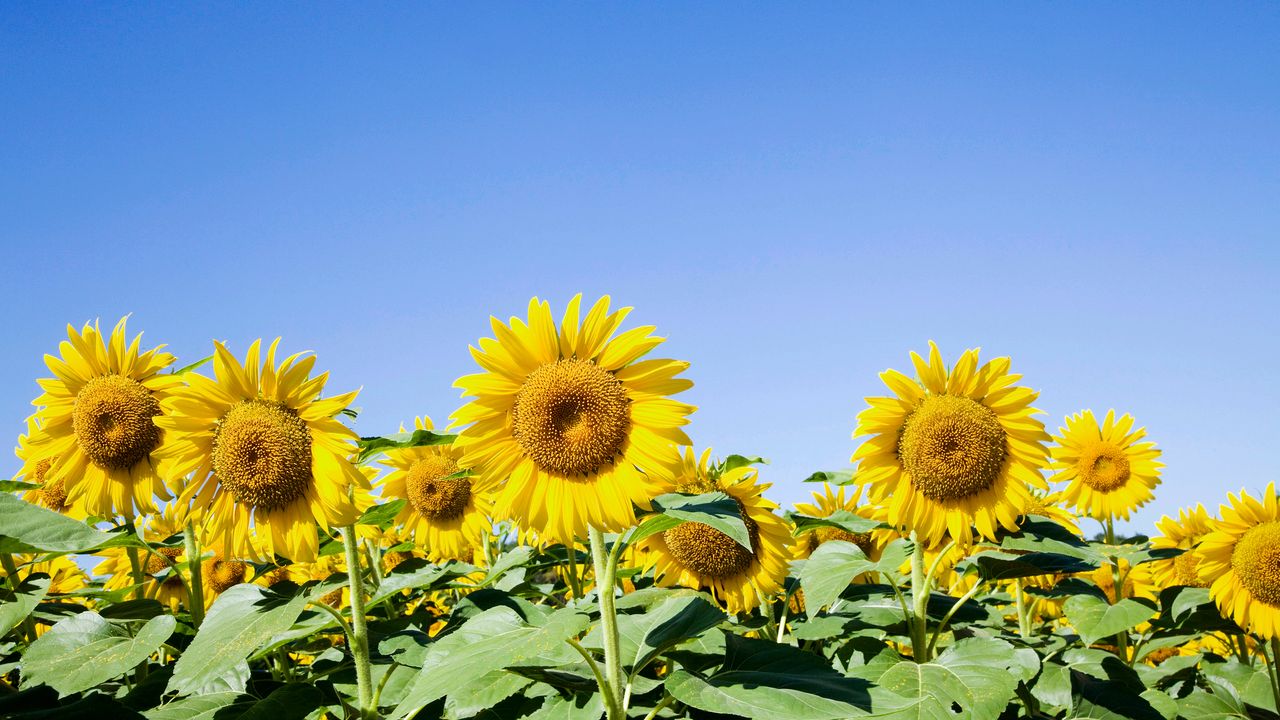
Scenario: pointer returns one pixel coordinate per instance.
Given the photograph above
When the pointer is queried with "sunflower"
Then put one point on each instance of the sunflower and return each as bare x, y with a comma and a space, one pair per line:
1183, 533
268, 456
1049, 505
829, 501
575, 426
446, 514
96, 437
52, 494
698, 556
1241, 558
160, 561
952, 450
1109, 472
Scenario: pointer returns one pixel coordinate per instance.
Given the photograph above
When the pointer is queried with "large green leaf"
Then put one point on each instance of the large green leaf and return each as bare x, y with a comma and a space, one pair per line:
995, 565
714, 509
242, 619
494, 639
763, 679
677, 617
85, 650
840, 520
576, 707
288, 702
371, 446
14, 607
829, 570
1094, 618
30, 528
971, 679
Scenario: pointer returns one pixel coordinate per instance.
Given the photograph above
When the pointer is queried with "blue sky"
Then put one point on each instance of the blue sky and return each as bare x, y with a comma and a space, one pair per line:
796, 197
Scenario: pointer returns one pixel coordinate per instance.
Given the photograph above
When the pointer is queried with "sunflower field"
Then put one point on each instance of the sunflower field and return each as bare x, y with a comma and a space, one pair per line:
212, 540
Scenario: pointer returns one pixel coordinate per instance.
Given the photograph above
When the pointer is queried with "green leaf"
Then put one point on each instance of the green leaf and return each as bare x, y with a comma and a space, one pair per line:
85, 650
994, 565
829, 570
840, 519
287, 702
679, 616
733, 462
193, 366
496, 638
30, 528
831, 477
382, 515
1109, 700
16, 486
17, 606
714, 509
971, 679
241, 619
576, 707
513, 558
371, 446
1095, 619
763, 679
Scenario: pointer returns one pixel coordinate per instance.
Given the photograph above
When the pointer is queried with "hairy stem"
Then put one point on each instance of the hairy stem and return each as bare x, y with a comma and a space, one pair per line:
359, 635
196, 570
606, 568
919, 603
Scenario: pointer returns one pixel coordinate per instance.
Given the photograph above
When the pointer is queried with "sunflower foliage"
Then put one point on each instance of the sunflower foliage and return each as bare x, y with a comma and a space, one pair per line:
215, 541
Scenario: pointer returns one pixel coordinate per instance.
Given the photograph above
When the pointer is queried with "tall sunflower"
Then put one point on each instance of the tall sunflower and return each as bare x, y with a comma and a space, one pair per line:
1109, 472
698, 556
267, 457
1183, 533
577, 428
953, 450
449, 516
1241, 558
96, 436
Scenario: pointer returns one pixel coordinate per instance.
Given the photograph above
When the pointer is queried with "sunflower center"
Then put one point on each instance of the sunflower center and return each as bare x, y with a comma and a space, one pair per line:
1256, 561
162, 559
433, 496
571, 417
952, 447
262, 454
1184, 569
224, 574
1103, 467
708, 551
112, 421
53, 495
827, 534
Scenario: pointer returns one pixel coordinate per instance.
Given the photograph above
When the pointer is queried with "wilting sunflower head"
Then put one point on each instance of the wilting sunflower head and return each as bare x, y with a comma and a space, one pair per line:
97, 435
566, 419
1240, 557
266, 454
697, 555
1109, 472
953, 450
446, 511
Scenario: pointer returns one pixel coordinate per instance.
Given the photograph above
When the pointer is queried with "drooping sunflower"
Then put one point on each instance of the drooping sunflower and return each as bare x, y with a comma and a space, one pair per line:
829, 501
51, 494
266, 456
1183, 533
954, 450
1241, 558
577, 428
1109, 472
447, 515
96, 436
698, 556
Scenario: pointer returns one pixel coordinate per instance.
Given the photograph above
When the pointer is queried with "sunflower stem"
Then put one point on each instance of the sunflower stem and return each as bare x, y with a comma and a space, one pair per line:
1117, 589
919, 603
1024, 614
135, 568
359, 636
606, 568
196, 571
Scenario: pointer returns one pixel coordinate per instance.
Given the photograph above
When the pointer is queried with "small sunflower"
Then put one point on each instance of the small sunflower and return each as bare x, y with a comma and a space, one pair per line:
448, 515
1108, 471
1049, 505
575, 425
1241, 558
96, 437
159, 562
698, 556
1183, 533
221, 574
267, 457
829, 501
953, 450
51, 494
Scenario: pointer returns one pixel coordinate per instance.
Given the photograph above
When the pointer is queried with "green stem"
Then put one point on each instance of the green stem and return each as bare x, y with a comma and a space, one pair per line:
1273, 670
575, 584
11, 571
919, 603
196, 571
1024, 611
946, 619
666, 700
1117, 592
606, 567
359, 635
605, 691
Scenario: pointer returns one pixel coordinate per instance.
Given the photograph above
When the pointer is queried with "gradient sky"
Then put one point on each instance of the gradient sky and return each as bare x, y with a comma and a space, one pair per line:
795, 198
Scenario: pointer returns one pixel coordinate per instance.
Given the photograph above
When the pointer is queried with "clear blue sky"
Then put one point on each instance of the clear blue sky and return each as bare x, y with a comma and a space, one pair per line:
795, 196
